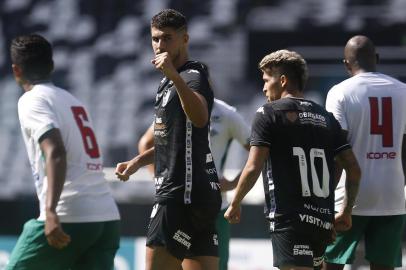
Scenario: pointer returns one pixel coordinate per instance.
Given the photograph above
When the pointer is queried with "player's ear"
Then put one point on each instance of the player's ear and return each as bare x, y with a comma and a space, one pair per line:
186, 38
17, 71
283, 80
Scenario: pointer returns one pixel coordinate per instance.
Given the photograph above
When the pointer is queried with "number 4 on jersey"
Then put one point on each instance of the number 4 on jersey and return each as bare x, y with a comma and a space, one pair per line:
88, 137
386, 127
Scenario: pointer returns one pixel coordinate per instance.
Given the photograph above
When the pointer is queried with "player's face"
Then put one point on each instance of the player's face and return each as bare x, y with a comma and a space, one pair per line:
168, 40
18, 74
272, 85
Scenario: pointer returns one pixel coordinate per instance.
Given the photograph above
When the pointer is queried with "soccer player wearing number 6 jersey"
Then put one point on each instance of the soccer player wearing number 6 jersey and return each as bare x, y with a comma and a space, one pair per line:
78, 226
370, 106
294, 142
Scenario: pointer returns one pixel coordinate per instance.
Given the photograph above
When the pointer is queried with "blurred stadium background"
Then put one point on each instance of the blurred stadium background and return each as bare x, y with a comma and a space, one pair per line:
102, 55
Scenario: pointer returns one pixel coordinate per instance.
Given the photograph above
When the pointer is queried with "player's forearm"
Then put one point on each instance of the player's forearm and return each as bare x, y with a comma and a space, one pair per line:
56, 172
146, 158
195, 109
247, 180
353, 176
351, 191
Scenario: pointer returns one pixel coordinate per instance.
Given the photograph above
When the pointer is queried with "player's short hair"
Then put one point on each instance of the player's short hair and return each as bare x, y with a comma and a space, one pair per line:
33, 54
169, 18
288, 63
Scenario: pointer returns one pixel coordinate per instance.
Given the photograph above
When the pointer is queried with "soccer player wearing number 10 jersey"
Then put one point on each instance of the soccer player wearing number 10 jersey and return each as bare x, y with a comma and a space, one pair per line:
294, 142
78, 226
371, 106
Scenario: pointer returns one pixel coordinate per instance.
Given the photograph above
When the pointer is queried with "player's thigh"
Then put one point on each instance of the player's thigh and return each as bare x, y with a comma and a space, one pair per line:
158, 258
342, 251
204, 233
169, 228
383, 240
291, 250
201, 263
100, 254
32, 251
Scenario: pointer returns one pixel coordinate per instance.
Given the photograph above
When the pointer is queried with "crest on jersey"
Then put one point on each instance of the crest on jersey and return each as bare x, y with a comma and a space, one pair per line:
291, 116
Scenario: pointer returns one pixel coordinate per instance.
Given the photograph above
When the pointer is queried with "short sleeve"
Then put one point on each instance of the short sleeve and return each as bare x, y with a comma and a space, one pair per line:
262, 127
340, 141
335, 104
198, 81
240, 131
36, 116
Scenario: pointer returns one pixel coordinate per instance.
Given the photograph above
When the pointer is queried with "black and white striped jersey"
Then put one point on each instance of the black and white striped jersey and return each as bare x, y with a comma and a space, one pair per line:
184, 167
298, 176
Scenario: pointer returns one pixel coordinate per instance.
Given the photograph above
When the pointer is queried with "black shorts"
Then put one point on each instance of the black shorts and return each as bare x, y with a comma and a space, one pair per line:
185, 231
291, 247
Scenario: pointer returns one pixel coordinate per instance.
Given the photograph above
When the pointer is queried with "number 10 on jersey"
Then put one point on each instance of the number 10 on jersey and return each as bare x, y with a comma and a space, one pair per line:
319, 191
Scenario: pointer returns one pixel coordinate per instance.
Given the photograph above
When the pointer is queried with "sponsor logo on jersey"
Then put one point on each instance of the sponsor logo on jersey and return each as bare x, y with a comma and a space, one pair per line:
316, 221
312, 115
94, 166
158, 120
182, 238
215, 186
381, 155
211, 171
302, 250
261, 110
317, 209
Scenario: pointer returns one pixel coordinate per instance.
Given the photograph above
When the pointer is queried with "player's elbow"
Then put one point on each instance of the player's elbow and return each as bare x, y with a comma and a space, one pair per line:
201, 122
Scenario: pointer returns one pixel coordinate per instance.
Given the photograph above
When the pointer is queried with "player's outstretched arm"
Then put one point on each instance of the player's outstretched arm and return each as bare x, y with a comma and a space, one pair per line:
252, 169
52, 146
348, 161
125, 169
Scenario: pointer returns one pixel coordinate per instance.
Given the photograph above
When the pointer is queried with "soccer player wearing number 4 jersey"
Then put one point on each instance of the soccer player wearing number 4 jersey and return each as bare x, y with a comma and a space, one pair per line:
295, 141
78, 226
371, 107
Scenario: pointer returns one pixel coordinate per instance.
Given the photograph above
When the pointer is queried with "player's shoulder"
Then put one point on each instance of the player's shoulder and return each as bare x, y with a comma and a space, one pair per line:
223, 106
195, 68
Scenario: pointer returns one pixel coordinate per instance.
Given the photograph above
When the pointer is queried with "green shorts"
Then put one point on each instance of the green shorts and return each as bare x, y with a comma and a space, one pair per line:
93, 246
382, 236
223, 234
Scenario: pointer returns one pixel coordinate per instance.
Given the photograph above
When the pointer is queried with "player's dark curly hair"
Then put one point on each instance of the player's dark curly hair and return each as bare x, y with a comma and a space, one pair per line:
33, 54
169, 18
288, 63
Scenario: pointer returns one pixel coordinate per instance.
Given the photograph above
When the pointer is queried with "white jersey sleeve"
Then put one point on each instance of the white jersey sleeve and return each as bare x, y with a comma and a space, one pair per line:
335, 103
36, 117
